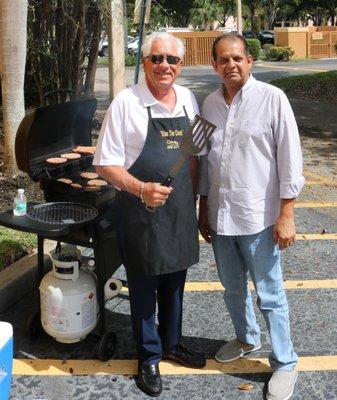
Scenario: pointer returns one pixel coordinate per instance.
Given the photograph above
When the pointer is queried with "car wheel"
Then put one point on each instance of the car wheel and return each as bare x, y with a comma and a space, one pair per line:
105, 51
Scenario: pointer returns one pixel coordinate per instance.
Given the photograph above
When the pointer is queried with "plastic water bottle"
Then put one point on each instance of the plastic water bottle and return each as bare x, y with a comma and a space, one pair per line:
20, 203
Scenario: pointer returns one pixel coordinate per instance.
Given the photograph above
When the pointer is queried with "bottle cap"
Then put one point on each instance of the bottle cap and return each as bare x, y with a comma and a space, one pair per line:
21, 191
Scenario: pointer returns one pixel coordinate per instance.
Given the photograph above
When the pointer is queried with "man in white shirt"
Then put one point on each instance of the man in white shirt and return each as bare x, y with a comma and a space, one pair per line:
138, 144
248, 186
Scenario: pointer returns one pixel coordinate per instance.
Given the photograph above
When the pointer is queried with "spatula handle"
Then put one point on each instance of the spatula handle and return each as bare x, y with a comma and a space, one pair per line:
167, 183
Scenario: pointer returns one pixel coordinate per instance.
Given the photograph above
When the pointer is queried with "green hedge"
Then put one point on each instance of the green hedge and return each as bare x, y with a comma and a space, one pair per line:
320, 86
130, 60
279, 53
254, 47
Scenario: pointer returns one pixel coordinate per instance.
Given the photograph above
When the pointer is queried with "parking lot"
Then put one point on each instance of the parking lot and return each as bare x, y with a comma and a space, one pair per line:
48, 370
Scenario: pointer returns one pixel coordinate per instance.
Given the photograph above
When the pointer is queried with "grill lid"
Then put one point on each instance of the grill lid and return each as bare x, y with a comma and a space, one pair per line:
62, 213
50, 131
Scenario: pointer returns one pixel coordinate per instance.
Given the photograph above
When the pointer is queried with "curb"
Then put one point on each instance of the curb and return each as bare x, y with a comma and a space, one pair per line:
19, 279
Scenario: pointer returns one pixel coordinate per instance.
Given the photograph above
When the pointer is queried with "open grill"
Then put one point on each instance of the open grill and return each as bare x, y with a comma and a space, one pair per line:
51, 131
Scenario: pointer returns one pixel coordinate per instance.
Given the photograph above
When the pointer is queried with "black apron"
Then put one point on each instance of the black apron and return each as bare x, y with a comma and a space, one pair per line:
167, 240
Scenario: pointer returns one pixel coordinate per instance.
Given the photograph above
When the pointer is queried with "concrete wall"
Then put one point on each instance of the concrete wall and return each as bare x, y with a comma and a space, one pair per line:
311, 42
295, 38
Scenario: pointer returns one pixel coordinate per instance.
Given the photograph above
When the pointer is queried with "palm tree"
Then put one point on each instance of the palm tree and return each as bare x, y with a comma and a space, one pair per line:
204, 12
13, 36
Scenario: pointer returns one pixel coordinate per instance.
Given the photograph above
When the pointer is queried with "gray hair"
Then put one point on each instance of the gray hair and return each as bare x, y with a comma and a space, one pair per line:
146, 48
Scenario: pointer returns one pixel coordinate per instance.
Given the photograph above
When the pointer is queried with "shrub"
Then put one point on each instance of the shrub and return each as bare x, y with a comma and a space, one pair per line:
266, 47
254, 47
279, 53
130, 60
320, 86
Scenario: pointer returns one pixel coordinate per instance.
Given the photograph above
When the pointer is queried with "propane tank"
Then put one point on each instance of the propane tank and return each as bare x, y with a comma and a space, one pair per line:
68, 298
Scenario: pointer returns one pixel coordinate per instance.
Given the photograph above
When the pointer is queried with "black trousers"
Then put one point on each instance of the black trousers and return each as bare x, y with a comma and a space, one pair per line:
144, 293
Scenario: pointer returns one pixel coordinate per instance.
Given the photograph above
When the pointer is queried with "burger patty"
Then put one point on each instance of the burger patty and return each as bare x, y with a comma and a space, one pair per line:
65, 180
89, 175
56, 160
97, 182
71, 156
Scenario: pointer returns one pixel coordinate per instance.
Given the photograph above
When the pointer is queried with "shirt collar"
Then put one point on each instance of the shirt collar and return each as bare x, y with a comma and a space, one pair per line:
250, 82
147, 97
149, 100
242, 92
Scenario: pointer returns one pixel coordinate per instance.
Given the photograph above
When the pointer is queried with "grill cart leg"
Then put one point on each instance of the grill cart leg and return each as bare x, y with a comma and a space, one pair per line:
107, 343
100, 286
40, 256
33, 325
107, 346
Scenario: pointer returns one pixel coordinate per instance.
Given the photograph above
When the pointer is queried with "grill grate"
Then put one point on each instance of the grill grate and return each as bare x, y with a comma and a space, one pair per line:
62, 213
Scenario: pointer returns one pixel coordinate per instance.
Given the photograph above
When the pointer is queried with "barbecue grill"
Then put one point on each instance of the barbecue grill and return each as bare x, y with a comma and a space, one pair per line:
48, 132
72, 214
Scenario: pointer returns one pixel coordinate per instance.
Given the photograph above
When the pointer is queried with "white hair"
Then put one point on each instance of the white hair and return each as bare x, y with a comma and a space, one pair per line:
146, 47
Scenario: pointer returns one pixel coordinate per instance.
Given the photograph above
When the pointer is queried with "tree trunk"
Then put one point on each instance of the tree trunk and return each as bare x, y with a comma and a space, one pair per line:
13, 36
93, 45
78, 49
253, 22
271, 14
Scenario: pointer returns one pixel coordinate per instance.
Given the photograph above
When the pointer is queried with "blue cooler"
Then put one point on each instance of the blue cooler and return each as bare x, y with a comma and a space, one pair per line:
6, 359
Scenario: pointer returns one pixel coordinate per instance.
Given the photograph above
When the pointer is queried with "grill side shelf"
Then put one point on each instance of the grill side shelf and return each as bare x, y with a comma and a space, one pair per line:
25, 224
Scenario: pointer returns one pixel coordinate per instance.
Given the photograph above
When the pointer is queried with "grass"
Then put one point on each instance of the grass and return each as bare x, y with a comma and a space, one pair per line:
319, 86
14, 245
102, 61
130, 60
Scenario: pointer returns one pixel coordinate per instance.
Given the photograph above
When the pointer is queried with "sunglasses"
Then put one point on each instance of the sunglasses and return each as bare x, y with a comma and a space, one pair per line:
159, 58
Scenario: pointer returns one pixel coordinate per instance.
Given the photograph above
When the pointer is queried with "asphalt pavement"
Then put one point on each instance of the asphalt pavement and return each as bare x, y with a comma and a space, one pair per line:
320, 118
47, 370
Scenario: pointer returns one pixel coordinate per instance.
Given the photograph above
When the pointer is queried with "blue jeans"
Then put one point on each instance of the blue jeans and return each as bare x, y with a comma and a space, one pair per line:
260, 256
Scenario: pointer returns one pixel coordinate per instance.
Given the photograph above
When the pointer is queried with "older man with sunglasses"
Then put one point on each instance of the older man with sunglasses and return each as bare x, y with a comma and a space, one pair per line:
138, 143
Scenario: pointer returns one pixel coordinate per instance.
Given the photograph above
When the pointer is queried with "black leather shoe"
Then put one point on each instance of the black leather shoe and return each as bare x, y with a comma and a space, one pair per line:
149, 380
185, 357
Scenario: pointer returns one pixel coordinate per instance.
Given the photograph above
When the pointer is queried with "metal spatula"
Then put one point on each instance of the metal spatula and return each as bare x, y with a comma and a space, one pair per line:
193, 141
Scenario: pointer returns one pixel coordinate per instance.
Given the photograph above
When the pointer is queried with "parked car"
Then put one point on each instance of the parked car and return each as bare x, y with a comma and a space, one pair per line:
266, 36
103, 50
133, 46
246, 33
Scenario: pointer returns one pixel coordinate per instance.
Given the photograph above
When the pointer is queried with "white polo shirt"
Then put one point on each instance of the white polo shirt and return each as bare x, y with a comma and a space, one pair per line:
124, 128
254, 160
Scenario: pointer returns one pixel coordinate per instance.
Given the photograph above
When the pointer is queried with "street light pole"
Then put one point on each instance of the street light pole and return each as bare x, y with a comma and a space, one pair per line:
238, 17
